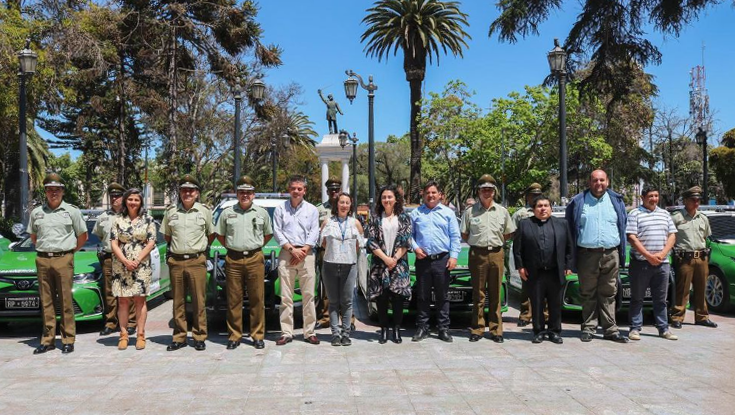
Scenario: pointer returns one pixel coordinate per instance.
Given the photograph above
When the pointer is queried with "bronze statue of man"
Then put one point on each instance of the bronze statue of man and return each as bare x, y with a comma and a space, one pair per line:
332, 110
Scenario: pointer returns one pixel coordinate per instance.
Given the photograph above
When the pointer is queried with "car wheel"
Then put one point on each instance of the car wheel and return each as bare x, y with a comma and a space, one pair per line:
716, 292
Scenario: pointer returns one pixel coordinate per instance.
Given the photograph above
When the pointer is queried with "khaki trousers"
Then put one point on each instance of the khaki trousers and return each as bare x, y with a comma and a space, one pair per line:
305, 272
598, 277
111, 300
55, 279
191, 273
691, 273
251, 271
486, 269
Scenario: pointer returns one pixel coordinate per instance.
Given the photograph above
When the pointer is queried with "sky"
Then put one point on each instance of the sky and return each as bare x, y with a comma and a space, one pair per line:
321, 39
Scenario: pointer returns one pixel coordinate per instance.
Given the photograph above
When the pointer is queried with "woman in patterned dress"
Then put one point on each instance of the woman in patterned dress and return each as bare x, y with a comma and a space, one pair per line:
389, 233
133, 238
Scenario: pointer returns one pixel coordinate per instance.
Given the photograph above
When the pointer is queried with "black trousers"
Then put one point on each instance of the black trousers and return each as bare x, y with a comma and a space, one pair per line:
545, 286
395, 301
432, 274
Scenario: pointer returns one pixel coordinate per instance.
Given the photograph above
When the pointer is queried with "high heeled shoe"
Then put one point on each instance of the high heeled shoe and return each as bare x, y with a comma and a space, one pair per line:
397, 335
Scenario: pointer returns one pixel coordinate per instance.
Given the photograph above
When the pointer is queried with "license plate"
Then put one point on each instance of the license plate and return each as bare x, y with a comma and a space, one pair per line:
22, 303
453, 296
627, 293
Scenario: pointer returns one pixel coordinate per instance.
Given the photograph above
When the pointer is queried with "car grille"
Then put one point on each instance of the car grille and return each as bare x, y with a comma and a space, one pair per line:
57, 307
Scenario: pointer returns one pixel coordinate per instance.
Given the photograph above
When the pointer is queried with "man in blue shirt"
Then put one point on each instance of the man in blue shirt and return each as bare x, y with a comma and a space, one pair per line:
435, 241
597, 221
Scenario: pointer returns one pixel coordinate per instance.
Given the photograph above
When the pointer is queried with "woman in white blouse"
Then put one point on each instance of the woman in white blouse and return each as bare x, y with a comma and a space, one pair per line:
340, 237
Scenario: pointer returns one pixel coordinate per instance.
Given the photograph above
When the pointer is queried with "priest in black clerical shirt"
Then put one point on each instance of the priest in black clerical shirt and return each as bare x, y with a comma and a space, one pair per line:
542, 249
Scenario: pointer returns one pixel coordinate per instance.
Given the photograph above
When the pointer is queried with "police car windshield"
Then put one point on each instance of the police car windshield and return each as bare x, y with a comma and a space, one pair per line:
26, 245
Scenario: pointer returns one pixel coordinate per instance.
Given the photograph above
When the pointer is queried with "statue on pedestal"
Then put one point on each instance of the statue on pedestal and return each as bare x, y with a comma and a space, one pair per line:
332, 110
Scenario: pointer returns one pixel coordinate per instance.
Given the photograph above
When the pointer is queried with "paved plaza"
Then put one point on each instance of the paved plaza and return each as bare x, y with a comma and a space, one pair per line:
693, 375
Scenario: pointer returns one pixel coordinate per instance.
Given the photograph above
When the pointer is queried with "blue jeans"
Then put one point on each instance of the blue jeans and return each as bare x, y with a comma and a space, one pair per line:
644, 275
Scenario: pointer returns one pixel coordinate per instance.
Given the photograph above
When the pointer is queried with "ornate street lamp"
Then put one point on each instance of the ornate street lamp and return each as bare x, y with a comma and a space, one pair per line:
257, 91
344, 136
557, 63
27, 60
701, 138
351, 92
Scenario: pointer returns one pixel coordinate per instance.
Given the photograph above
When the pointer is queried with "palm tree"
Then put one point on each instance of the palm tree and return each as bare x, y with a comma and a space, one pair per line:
421, 29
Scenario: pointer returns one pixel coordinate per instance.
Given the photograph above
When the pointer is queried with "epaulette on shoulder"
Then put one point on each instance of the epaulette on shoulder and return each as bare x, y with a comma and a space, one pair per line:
171, 206
207, 206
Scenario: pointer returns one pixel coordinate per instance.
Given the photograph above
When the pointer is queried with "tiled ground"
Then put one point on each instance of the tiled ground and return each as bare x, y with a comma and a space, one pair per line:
691, 376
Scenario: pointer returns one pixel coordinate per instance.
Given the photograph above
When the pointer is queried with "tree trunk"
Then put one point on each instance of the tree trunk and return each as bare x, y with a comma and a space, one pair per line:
417, 142
121, 151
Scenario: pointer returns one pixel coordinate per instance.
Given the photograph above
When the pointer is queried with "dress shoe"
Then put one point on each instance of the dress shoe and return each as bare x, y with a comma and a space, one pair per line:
676, 324
497, 339
383, 335
421, 334
43, 348
131, 331
259, 344
106, 331
232, 345
336, 341
283, 340
475, 337
706, 323
555, 338
176, 346
67, 348
312, 339
445, 336
586, 337
346, 341
617, 338
523, 323
199, 345
538, 338
397, 339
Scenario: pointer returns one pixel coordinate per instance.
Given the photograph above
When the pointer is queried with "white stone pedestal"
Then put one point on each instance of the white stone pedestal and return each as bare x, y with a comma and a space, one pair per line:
330, 150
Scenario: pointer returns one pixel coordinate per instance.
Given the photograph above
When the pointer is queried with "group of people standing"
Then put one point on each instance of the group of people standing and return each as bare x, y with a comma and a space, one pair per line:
591, 241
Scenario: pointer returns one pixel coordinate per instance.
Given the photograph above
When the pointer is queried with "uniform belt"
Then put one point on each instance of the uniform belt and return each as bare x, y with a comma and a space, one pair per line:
241, 254
686, 255
185, 256
54, 254
597, 249
490, 249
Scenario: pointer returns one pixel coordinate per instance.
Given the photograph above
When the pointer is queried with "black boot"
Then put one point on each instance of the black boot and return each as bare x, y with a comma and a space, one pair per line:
397, 335
383, 335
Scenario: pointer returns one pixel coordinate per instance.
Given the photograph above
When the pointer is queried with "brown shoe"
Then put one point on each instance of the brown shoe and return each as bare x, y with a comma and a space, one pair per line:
122, 344
312, 339
140, 342
283, 340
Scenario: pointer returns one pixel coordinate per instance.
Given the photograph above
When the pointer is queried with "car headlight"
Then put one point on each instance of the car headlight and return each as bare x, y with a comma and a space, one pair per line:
87, 277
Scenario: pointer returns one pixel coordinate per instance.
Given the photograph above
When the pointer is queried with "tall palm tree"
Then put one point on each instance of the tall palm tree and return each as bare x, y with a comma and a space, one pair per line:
421, 29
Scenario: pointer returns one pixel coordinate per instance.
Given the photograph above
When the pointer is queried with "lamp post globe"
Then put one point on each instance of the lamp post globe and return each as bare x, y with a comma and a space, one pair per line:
351, 92
557, 58
351, 88
257, 89
27, 60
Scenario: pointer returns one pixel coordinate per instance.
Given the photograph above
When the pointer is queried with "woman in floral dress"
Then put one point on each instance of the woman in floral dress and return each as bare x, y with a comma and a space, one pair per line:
133, 238
389, 233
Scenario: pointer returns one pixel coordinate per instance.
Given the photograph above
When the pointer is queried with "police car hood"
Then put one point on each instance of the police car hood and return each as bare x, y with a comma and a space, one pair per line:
24, 263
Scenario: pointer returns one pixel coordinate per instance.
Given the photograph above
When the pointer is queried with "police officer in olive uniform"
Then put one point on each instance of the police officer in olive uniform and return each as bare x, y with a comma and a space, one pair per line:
531, 192
58, 230
691, 257
486, 226
102, 229
187, 227
244, 229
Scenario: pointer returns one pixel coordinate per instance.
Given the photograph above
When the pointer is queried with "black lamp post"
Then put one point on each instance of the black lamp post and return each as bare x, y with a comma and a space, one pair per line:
274, 159
701, 137
28, 60
557, 62
257, 90
351, 92
343, 137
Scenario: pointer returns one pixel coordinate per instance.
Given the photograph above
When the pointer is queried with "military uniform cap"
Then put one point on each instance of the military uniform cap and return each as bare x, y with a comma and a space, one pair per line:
486, 180
534, 189
333, 183
115, 189
188, 181
694, 192
245, 183
53, 180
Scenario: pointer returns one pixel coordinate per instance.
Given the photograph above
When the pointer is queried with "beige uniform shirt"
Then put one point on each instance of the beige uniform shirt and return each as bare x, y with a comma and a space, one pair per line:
486, 227
522, 213
244, 230
189, 229
692, 231
325, 211
103, 227
56, 230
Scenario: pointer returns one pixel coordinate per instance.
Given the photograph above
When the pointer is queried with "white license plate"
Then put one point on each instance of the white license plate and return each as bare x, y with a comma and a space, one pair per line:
22, 303
453, 296
627, 293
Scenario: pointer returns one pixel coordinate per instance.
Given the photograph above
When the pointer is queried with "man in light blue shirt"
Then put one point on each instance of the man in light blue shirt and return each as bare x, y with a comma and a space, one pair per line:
435, 241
